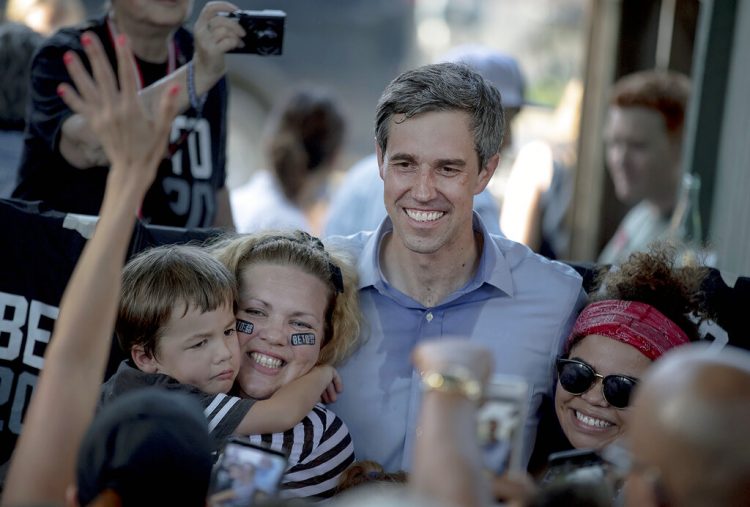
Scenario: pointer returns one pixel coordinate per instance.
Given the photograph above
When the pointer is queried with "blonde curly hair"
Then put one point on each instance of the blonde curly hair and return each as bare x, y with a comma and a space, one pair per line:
299, 249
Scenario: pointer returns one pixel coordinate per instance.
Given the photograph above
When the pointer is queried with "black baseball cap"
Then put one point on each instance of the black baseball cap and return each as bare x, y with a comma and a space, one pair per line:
150, 446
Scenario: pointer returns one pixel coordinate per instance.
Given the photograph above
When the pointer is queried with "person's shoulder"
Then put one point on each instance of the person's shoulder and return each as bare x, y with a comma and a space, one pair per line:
332, 426
522, 258
129, 378
535, 278
259, 188
324, 412
352, 244
69, 37
65, 39
258, 204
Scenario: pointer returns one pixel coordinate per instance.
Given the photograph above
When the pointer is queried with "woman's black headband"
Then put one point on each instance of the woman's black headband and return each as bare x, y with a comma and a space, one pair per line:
304, 238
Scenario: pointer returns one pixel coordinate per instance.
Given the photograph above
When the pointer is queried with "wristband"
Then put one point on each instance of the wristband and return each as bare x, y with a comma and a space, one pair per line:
455, 380
196, 102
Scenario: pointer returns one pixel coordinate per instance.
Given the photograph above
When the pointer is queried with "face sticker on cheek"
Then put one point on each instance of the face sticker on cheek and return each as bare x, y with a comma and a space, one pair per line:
244, 326
303, 339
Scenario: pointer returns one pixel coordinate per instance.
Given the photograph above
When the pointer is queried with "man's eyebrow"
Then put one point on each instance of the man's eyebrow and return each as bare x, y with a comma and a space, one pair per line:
450, 161
406, 157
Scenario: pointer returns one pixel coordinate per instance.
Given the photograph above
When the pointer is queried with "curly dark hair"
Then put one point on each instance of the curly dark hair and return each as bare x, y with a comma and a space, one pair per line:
654, 278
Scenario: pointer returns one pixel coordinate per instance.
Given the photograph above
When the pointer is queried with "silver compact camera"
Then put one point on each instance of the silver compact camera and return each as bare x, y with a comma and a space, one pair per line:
264, 31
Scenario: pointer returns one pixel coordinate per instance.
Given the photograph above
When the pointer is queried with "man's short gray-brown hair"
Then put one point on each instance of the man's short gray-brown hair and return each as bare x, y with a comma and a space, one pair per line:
445, 87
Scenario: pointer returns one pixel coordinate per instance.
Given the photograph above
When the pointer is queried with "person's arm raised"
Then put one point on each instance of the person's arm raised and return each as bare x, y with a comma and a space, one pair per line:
65, 398
291, 403
214, 36
447, 460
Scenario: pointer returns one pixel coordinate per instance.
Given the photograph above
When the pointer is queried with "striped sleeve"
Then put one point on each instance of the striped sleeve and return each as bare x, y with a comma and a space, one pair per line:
224, 413
319, 449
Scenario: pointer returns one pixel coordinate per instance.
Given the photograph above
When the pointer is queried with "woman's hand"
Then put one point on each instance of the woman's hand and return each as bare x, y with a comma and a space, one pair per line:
134, 141
214, 36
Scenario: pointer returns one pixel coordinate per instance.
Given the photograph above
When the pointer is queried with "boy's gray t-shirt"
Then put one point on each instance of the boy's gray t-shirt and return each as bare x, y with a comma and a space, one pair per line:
223, 412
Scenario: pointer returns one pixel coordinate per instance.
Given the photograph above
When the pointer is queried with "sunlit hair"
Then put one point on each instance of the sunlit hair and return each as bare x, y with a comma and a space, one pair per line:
163, 279
300, 250
663, 92
445, 87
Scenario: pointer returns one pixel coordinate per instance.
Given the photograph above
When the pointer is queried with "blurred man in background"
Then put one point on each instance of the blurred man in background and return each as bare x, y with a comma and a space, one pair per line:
643, 139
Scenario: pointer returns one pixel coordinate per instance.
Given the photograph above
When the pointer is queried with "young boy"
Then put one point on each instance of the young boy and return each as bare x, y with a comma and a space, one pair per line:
177, 321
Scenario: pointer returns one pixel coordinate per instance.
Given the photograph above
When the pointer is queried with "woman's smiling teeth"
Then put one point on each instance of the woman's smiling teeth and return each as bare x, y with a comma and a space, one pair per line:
264, 360
424, 216
592, 421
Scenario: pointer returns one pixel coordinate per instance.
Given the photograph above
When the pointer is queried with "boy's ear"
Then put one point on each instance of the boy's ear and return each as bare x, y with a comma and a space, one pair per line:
144, 361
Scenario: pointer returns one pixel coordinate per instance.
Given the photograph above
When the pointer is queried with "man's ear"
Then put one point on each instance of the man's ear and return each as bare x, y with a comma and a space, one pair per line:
144, 361
379, 153
485, 174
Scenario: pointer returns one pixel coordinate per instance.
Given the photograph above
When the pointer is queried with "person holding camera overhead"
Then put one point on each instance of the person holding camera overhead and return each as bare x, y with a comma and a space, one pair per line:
65, 166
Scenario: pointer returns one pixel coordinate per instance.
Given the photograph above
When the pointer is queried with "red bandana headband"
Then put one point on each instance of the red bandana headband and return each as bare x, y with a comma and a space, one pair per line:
639, 325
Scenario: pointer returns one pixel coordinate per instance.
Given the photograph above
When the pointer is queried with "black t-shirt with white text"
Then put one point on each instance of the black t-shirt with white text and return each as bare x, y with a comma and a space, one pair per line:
184, 191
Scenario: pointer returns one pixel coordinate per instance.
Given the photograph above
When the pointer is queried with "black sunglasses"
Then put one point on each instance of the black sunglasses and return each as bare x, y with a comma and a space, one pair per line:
577, 377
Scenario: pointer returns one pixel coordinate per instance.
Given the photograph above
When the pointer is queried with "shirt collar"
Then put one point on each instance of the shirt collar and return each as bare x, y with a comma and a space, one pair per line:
493, 267
368, 264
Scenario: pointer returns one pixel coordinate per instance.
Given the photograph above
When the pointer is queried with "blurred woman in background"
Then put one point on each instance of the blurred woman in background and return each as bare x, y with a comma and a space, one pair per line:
305, 136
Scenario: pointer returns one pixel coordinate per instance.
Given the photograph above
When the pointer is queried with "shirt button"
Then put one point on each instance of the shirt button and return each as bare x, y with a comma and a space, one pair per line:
429, 316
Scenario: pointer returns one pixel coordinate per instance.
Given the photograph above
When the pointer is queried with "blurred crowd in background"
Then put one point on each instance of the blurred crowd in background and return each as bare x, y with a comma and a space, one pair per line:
566, 63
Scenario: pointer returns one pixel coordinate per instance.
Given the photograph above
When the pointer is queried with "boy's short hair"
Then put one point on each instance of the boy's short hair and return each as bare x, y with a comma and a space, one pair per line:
159, 280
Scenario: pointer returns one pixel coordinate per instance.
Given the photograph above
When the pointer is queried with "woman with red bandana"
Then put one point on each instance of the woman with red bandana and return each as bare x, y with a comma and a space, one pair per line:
642, 310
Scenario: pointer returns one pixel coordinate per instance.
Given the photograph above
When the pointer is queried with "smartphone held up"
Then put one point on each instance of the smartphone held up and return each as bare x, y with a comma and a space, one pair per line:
246, 474
500, 423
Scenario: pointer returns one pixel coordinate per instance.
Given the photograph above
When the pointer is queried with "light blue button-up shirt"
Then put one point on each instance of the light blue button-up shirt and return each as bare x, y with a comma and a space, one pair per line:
518, 304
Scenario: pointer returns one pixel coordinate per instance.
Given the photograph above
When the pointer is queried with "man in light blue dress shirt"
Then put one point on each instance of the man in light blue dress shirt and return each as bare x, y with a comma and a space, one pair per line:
432, 270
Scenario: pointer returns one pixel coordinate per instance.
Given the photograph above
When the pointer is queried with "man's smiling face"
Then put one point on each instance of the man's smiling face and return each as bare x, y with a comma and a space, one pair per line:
431, 175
